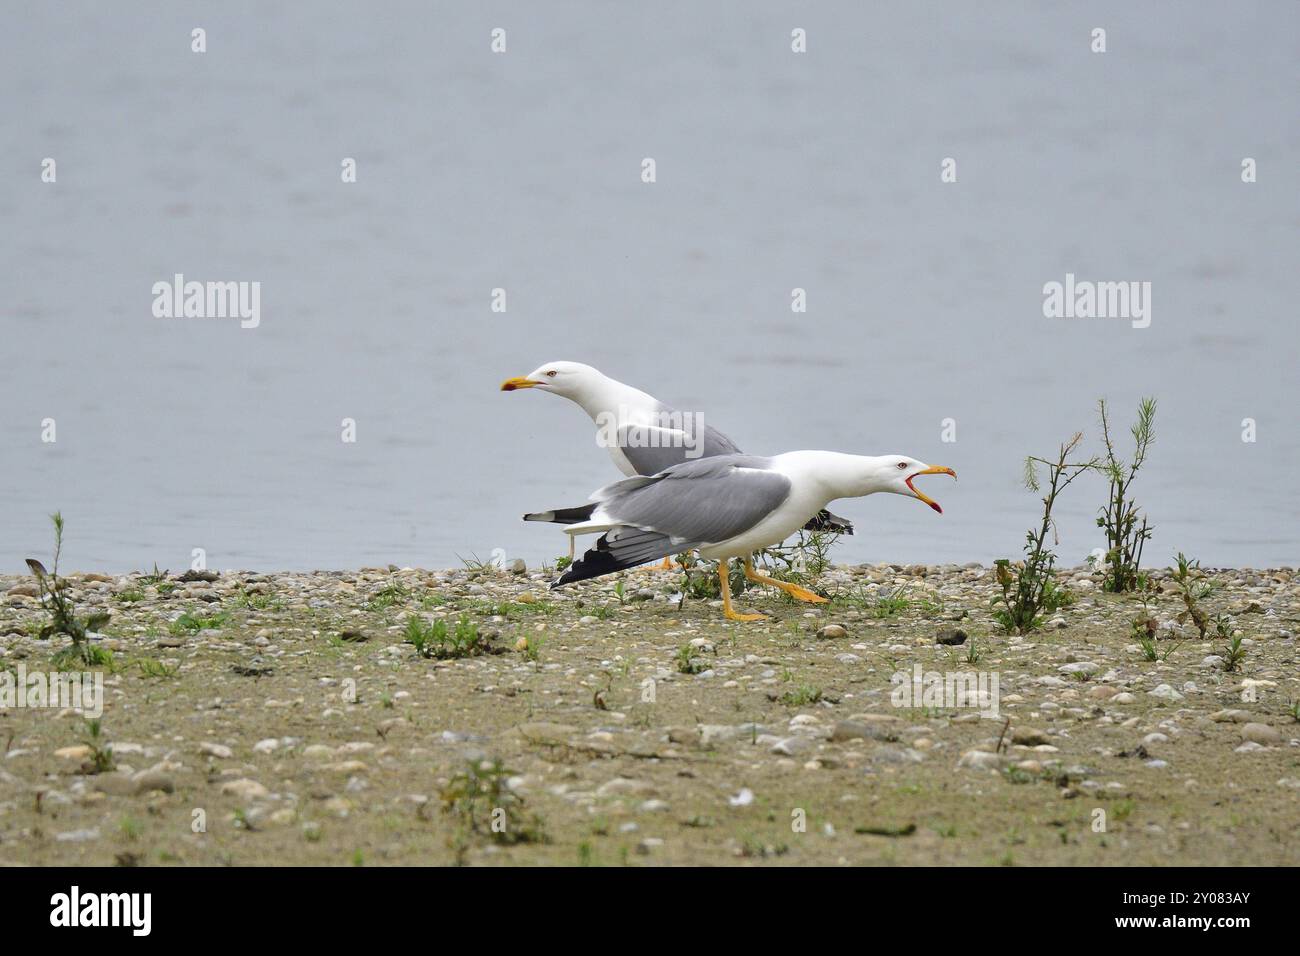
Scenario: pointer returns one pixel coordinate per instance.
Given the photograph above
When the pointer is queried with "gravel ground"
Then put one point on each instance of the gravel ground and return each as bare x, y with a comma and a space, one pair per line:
282, 718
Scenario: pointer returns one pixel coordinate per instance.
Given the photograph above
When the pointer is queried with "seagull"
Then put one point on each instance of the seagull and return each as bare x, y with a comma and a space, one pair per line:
727, 506
642, 435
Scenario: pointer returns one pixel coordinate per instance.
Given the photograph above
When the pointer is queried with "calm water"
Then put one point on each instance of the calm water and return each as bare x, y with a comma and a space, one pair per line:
522, 171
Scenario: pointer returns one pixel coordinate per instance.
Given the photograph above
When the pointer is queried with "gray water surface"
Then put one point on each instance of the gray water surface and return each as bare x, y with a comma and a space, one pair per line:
522, 170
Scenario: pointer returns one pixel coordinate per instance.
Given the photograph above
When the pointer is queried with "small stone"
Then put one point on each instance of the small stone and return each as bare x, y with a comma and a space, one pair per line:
1231, 716
146, 781
1165, 692
1029, 737
981, 760
386, 727
115, 784
1086, 668
1261, 734
244, 789
518, 566
713, 734
220, 751
263, 816
78, 752
792, 746
897, 755
832, 632
951, 637
191, 575
78, 836
860, 730
254, 668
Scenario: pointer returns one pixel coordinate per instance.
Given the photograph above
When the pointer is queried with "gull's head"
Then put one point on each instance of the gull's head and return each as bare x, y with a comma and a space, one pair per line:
896, 475
568, 379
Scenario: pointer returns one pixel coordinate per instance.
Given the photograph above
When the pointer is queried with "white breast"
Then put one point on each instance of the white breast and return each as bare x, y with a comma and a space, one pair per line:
806, 498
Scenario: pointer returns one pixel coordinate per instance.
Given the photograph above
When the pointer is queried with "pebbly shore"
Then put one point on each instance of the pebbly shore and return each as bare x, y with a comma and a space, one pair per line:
262, 718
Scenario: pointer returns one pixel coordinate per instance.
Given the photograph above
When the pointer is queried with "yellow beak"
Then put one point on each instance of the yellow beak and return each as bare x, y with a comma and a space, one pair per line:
933, 470
510, 384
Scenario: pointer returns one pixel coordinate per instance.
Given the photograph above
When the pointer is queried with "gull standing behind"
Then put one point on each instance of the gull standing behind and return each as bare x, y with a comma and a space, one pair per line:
643, 435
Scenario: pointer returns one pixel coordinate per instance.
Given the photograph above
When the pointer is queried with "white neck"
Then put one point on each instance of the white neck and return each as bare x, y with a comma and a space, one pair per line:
604, 395
834, 474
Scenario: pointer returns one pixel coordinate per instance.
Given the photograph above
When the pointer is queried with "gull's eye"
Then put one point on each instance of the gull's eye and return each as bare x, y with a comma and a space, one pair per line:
551, 374
902, 464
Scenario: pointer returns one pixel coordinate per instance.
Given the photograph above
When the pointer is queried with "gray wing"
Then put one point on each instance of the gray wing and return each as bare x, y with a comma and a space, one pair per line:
678, 437
702, 501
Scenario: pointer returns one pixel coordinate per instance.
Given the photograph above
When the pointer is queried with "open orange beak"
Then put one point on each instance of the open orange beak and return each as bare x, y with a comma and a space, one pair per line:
932, 470
510, 384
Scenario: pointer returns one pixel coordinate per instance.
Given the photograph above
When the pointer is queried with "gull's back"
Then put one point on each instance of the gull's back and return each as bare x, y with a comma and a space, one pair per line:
664, 437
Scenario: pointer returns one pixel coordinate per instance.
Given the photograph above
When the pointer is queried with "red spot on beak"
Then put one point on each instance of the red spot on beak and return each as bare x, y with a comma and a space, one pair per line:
936, 470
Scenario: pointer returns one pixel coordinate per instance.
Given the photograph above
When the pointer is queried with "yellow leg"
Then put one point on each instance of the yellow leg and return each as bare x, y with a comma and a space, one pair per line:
724, 575
802, 594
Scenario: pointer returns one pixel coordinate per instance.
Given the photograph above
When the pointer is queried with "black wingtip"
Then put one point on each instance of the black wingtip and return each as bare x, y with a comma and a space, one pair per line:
825, 521
593, 564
